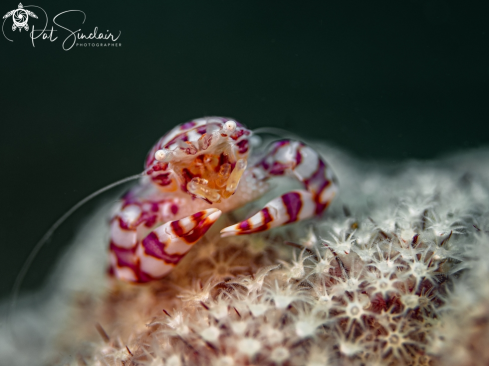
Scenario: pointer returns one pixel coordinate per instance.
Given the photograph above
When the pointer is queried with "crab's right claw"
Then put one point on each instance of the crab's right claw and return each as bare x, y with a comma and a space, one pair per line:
300, 160
290, 207
165, 246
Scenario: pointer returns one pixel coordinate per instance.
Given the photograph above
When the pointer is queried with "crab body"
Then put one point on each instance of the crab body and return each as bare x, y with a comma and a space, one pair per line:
194, 173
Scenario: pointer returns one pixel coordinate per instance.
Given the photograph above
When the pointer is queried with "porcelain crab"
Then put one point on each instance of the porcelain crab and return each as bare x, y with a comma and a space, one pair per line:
194, 173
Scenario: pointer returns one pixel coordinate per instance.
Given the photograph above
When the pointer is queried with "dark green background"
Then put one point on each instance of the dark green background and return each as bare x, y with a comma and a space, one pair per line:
389, 80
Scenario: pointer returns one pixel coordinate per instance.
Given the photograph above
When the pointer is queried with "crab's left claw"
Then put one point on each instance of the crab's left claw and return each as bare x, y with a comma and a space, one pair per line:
165, 246
295, 158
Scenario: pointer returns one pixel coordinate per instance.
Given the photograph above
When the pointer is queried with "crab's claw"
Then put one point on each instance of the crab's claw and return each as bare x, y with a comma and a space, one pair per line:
297, 159
164, 247
156, 255
290, 207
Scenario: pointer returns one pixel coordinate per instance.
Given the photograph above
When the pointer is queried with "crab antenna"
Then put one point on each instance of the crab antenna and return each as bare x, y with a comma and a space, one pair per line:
25, 267
278, 132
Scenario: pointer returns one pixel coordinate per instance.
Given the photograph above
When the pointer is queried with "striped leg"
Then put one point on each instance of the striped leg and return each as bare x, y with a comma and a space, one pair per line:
307, 166
165, 246
155, 256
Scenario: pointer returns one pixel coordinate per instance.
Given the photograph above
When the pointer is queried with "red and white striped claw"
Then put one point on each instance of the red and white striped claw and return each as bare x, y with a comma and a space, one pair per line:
290, 157
163, 248
290, 207
159, 252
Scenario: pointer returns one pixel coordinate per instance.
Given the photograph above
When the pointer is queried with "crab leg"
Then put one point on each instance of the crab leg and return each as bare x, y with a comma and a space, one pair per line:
161, 250
307, 166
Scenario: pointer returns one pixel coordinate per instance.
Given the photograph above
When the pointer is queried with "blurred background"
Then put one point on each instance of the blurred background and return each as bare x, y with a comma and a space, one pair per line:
386, 80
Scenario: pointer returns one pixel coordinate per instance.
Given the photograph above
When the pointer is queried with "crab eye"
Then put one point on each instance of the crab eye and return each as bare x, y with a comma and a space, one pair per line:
162, 155
230, 126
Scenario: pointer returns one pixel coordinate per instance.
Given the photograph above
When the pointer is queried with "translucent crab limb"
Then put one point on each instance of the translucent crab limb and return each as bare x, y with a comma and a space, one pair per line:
295, 158
160, 251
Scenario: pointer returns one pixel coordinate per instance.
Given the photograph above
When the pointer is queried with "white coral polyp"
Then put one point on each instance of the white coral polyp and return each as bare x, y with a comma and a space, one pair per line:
410, 301
210, 334
279, 355
306, 328
258, 309
341, 243
239, 327
174, 360
225, 361
248, 346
